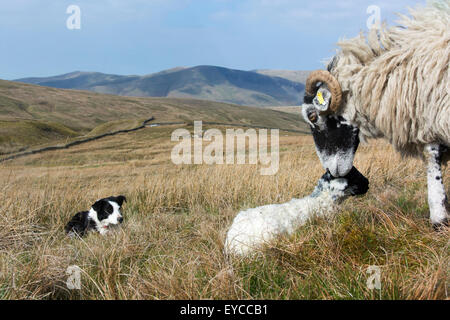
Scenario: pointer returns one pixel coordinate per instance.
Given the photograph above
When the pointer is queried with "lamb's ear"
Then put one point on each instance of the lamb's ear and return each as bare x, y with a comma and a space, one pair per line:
358, 183
322, 99
121, 199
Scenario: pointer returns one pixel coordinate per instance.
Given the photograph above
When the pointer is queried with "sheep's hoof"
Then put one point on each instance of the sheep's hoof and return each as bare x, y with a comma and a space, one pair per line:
442, 226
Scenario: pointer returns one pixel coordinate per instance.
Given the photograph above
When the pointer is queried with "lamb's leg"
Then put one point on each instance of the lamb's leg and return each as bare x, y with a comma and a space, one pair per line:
437, 199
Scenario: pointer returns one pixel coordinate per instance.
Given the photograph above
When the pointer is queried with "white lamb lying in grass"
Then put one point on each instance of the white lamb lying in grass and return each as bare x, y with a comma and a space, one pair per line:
252, 228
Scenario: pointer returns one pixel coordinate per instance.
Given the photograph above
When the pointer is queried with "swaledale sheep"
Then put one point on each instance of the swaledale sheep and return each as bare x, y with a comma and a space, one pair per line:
252, 228
393, 84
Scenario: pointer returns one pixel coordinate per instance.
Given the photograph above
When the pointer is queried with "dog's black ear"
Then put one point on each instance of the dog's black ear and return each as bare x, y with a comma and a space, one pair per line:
121, 199
103, 208
98, 205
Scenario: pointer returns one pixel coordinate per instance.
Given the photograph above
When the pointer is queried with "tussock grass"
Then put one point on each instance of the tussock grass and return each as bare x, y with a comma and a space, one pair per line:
170, 245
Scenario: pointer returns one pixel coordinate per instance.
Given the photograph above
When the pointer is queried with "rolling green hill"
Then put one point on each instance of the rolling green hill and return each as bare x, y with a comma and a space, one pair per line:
16, 135
42, 114
201, 82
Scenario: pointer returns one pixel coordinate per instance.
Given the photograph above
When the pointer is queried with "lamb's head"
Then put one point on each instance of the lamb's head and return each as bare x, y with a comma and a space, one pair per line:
353, 184
335, 138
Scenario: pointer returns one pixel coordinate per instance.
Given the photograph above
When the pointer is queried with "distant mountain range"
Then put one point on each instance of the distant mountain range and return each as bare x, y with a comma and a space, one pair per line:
251, 88
293, 75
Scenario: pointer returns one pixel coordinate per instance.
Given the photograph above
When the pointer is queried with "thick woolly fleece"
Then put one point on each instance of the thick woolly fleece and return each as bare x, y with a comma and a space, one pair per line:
396, 82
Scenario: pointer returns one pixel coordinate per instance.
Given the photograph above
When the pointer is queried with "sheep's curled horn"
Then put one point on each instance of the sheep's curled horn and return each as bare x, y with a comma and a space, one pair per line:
333, 85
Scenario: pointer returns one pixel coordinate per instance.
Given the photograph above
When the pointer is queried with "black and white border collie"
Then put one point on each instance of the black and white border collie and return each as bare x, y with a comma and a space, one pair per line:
103, 214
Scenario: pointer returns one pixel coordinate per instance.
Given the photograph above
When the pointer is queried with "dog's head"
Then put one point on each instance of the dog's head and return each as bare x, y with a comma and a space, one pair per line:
106, 212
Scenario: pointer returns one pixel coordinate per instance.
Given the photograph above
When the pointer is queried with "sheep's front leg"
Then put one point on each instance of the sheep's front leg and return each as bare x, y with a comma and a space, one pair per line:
437, 199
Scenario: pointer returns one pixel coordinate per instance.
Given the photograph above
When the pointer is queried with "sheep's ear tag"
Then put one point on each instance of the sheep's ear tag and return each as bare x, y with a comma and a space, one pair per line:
322, 99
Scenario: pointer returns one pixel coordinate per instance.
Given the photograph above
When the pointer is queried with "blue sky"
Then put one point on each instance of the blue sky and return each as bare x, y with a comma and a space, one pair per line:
145, 36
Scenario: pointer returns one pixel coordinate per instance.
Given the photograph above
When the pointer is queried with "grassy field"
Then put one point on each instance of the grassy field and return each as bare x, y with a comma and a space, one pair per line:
170, 245
15, 135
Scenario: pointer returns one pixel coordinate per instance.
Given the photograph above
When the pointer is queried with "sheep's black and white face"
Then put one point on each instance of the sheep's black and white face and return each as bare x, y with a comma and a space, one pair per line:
336, 139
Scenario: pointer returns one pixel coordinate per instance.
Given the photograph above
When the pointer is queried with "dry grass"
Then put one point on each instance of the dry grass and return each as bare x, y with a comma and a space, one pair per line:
176, 217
